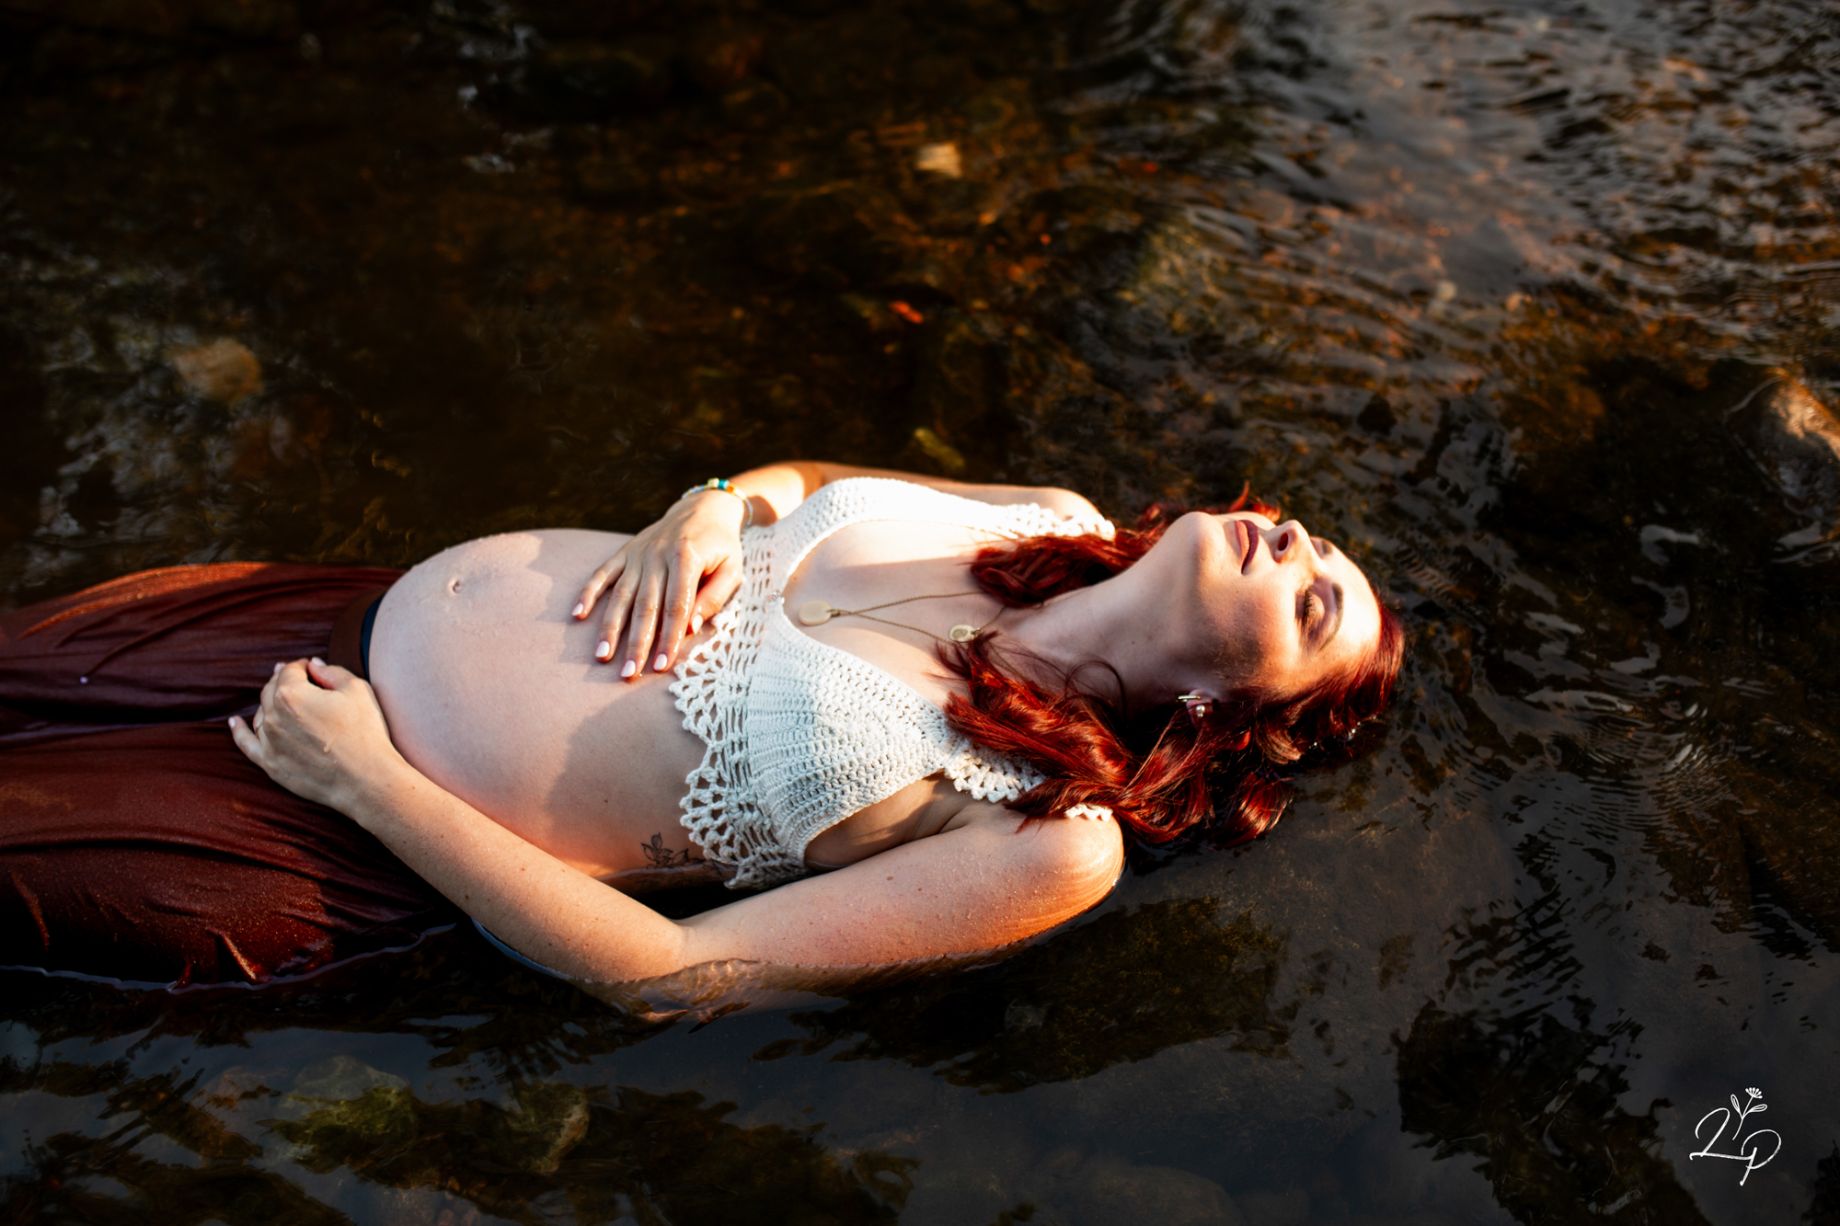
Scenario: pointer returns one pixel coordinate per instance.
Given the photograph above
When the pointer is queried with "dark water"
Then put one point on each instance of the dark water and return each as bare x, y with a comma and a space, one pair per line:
1536, 304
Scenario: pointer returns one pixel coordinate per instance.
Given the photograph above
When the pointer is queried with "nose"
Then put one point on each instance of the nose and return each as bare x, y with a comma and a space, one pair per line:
1292, 541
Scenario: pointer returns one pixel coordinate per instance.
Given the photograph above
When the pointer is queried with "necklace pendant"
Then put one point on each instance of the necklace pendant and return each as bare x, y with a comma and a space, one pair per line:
962, 633
815, 612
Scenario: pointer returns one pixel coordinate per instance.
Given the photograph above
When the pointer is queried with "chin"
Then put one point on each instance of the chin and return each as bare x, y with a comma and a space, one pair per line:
1213, 539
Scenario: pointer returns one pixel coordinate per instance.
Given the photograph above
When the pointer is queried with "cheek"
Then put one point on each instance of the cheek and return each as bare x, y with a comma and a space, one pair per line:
1253, 642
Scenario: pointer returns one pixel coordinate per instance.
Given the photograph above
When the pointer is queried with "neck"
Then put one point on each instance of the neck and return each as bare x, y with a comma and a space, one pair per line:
1103, 623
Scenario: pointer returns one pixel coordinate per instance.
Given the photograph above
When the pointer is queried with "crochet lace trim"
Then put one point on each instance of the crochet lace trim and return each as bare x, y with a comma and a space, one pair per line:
721, 807
710, 687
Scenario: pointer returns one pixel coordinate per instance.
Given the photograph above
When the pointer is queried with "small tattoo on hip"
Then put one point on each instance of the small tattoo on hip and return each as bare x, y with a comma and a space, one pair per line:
659, 856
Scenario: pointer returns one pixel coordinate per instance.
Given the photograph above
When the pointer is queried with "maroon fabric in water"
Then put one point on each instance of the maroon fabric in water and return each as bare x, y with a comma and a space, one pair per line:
136, 842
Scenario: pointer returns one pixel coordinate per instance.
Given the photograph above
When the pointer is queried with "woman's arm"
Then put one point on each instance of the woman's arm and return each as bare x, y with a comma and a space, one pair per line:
988, 882
775, 489
660, 586
982, 886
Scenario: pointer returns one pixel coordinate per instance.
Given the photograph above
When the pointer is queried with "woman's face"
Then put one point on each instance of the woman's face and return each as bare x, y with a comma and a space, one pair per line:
1269, 606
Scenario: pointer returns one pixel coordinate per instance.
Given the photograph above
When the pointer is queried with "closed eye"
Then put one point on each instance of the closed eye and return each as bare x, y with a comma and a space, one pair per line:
1309, 610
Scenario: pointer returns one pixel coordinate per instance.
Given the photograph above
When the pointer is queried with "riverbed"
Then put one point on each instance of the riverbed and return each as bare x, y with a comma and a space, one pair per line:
1535, 305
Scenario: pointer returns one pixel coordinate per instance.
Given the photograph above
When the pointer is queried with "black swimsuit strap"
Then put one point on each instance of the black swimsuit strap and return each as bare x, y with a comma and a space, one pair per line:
364, 636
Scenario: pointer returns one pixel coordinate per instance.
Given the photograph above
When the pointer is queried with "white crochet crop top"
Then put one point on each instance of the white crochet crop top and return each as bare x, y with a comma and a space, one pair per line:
798, 734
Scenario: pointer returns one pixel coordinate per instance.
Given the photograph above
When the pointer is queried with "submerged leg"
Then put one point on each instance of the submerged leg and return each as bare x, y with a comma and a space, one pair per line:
183, 642
162, 855
135, 840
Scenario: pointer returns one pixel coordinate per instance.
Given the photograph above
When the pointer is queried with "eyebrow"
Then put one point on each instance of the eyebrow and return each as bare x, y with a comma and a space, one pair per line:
1335, 618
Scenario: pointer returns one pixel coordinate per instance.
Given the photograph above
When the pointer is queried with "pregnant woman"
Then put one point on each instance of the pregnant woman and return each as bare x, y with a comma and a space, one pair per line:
859, 687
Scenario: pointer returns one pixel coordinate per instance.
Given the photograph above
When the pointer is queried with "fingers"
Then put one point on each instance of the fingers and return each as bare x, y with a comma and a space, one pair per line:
655, 608
329, 676
289, 675
274, 694
619, 611
246, 739
679, 596
267, 698
249, 735
660, 587
719, 587
642, 624
598, 583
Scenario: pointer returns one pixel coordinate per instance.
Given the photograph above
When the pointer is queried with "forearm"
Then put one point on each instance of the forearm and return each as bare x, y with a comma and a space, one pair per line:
535, 903
775, 489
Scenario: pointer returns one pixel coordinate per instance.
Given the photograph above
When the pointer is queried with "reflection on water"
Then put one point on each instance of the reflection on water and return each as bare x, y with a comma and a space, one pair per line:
670, 1157
604, 1155
1535, 305
1538, 1103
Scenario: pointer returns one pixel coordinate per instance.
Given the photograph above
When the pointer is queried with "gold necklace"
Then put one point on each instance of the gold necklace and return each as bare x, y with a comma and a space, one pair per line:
817, 612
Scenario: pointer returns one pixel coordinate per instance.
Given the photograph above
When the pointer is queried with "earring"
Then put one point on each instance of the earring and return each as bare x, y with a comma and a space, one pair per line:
1199, 705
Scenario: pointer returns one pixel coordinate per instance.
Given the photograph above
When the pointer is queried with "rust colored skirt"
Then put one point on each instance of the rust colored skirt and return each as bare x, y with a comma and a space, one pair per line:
136, 841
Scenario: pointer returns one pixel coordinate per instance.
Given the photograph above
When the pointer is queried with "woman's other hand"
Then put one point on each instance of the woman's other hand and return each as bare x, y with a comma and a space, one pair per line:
319, 733
663, 584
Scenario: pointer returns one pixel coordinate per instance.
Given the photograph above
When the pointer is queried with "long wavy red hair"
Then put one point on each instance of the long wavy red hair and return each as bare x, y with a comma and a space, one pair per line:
1161, 774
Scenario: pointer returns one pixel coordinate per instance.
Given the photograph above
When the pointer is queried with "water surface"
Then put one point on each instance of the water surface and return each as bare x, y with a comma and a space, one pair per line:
1535, 304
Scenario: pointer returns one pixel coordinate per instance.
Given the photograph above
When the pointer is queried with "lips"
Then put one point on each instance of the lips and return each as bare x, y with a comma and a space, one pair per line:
1249, 544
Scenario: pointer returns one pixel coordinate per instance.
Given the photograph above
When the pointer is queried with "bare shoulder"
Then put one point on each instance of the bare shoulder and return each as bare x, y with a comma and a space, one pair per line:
1082, 856
1063, 501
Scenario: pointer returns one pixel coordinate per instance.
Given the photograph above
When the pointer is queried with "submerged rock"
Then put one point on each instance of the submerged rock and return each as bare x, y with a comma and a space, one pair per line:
223, 370
588, 79
940, 452
342, 1077
550, 1120
1794, 439
340, 1107
940, 158
1084, 1187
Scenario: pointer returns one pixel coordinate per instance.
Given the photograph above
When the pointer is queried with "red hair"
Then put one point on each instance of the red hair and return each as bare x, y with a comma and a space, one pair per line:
1159, 773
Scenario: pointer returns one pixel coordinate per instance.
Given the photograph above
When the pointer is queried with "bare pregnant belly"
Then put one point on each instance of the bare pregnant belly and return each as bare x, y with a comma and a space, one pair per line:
492, 691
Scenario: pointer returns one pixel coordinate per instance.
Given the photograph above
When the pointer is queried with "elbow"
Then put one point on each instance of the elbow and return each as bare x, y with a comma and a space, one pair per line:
814, 475
1078, 862
676, 952
1066, 502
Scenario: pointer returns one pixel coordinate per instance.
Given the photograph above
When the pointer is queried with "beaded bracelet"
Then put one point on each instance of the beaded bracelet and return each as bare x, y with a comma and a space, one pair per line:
727, 487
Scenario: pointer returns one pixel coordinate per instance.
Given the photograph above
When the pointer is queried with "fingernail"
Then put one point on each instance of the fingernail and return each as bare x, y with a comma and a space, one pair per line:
231, 721
629, 668
696, 623
580, 608
319, 661
660, 662
604, 651
277, 668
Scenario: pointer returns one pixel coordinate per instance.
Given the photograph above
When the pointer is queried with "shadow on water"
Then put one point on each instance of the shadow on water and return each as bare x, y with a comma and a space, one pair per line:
518, 1025
1534, 305
1072, 1007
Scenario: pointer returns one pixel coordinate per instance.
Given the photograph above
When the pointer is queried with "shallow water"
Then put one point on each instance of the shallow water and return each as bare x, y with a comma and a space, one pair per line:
1538, 304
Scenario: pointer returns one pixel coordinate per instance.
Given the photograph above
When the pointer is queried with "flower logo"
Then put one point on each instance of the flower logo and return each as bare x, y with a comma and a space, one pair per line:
1750, 1146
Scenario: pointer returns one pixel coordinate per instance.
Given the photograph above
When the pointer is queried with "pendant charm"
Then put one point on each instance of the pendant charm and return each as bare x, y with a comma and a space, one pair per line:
815, 613
962, 633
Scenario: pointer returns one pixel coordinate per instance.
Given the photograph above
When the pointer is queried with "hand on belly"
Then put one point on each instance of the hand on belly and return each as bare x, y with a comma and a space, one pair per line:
491, 690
